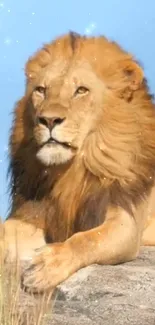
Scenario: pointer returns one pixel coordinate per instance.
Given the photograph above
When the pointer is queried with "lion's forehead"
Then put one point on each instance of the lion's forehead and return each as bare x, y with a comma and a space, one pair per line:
64, 75
55, 70
57, 61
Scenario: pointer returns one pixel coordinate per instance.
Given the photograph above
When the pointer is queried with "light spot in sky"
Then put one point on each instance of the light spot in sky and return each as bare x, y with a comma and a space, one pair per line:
9, 10
1, 5
7, 41
6, 148
90, 28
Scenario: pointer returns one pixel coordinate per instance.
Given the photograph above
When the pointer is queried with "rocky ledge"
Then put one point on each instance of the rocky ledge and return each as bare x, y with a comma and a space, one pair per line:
106, 295
109, 295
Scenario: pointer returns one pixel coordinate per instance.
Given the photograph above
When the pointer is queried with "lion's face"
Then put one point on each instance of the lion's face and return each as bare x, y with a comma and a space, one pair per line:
66, 106
73, 91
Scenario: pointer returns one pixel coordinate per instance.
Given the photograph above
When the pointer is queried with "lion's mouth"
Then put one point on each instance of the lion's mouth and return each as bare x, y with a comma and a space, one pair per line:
56, 142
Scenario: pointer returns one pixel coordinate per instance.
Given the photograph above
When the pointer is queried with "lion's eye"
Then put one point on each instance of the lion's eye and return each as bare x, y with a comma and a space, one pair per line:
81, 91
40, 89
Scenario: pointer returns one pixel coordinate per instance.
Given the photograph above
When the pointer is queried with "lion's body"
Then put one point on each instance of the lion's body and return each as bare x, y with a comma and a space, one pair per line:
91, 187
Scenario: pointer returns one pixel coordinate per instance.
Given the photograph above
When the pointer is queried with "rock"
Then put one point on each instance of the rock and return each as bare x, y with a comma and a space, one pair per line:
108, 295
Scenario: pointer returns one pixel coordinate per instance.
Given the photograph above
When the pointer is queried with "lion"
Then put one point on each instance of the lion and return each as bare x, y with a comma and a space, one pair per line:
82, 161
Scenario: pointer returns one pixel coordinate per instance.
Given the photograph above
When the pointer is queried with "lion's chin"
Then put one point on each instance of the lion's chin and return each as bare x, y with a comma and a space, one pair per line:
54, 155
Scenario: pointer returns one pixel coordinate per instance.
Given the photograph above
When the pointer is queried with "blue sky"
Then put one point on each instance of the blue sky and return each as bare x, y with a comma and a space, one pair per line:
26, 25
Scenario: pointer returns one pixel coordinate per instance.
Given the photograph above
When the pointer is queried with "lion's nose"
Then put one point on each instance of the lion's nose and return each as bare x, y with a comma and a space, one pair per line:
49, 122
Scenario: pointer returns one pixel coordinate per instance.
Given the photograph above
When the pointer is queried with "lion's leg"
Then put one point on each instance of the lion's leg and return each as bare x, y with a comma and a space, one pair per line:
21, 239
148, 238
116, 241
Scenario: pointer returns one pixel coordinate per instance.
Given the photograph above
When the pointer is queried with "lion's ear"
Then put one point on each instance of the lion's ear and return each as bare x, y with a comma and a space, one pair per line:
131, 79
128, 77
133, 73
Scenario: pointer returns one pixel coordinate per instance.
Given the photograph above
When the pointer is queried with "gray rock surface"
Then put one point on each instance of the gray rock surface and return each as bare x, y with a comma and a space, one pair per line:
108, 295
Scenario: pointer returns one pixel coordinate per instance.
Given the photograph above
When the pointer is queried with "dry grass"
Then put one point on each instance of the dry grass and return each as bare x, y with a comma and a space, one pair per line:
17, 307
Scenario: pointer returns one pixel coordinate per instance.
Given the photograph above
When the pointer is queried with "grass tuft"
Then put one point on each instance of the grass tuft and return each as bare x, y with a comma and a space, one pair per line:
16, 306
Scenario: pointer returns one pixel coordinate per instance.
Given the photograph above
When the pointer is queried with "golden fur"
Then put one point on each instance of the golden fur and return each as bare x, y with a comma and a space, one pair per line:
89, 192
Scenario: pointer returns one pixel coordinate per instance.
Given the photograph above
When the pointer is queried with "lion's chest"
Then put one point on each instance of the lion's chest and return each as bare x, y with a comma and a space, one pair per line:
89, 214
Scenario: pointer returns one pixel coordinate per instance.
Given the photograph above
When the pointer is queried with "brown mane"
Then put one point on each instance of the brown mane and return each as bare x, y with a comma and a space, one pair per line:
118, 169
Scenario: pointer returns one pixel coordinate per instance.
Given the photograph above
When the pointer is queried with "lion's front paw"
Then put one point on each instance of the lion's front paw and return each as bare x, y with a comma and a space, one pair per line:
51, 265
